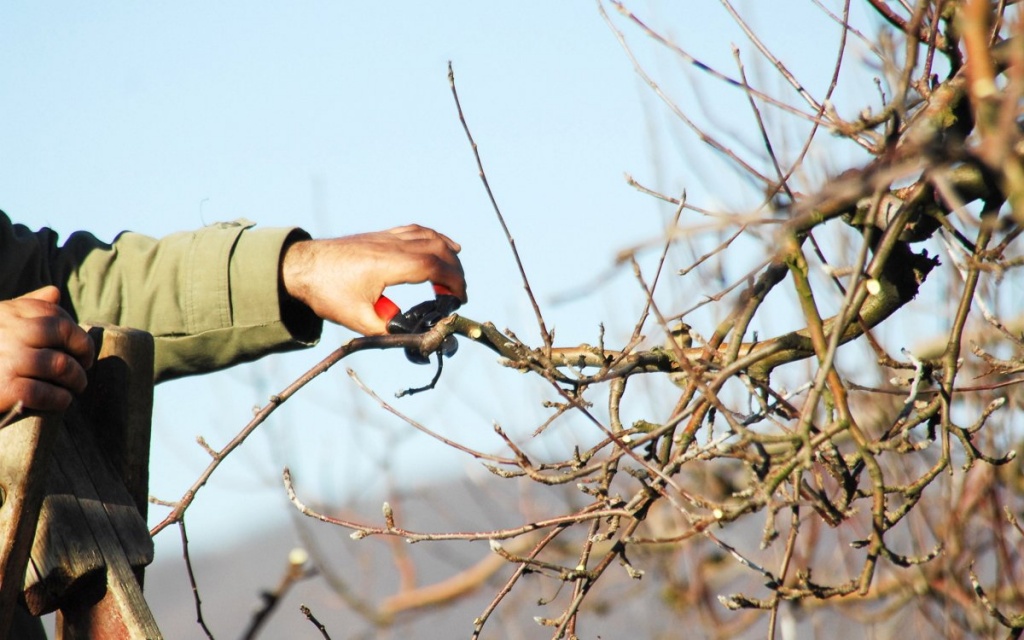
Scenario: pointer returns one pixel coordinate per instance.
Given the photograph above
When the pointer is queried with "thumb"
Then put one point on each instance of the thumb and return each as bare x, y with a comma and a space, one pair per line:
49, 293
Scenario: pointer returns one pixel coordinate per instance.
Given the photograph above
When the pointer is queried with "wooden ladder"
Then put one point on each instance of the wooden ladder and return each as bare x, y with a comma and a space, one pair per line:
73, 534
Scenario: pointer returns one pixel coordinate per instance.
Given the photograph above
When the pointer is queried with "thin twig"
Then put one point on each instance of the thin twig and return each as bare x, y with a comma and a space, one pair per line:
775, 102
298, 569
360, 530
545, 336
745, 168
13, 414
422, 428
192, 579
316, 623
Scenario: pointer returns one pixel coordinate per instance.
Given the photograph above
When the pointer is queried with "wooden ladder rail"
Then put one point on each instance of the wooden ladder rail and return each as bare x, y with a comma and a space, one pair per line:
25, 449
91, 542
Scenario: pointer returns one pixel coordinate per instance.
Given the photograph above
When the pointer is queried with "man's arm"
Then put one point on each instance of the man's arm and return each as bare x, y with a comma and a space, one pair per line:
211, 297
227, 293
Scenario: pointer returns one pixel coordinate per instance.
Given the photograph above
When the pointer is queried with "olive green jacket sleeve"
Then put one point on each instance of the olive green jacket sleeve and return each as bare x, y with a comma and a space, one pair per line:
211, 297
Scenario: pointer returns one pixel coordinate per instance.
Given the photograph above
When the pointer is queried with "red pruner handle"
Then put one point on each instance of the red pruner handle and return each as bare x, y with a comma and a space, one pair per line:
441, 290
385, 308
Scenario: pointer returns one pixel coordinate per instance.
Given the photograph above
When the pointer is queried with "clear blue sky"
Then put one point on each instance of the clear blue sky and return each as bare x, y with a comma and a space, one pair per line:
337, 117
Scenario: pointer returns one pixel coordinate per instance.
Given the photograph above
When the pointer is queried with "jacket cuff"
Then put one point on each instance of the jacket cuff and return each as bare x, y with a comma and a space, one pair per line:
258, 298
240, 313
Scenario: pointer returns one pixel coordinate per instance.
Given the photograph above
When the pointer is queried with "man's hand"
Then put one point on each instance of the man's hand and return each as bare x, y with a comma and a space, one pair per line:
341, 279
43, 353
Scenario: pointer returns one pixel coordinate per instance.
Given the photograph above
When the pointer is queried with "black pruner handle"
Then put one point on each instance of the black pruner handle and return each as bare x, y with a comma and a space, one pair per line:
419, 319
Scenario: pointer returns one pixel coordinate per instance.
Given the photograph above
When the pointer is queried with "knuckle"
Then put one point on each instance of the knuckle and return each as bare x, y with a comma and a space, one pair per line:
435, 247
60, 365
431, 263
39, 395
55, 330
56, 367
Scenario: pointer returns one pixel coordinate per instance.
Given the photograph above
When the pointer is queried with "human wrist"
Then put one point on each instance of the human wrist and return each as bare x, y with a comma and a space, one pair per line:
295, 267
293, 285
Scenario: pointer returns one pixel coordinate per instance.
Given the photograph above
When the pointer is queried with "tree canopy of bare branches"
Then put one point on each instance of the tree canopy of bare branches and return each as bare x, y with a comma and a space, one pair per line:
852, 466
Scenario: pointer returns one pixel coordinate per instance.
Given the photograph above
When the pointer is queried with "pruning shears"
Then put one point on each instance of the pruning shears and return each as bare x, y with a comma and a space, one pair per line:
419, 319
